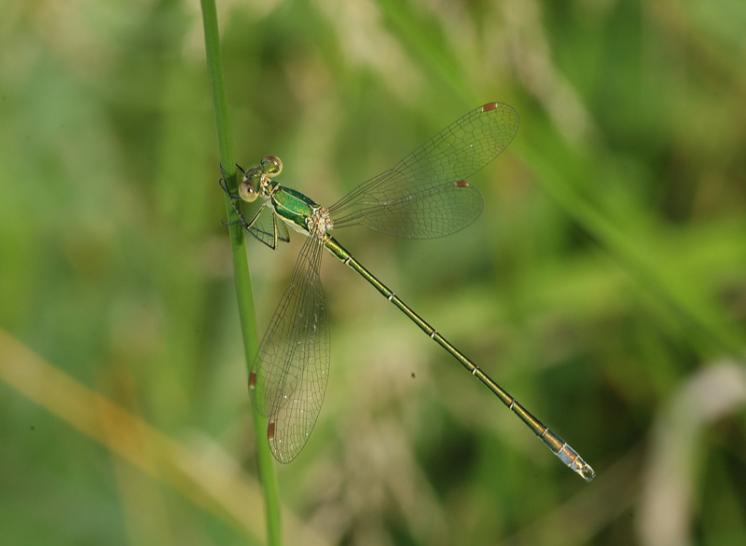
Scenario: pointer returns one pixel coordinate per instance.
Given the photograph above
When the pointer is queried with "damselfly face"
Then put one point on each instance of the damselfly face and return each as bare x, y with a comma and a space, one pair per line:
256, 180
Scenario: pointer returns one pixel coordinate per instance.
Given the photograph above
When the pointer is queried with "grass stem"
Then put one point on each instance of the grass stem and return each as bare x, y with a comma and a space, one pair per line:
241, 272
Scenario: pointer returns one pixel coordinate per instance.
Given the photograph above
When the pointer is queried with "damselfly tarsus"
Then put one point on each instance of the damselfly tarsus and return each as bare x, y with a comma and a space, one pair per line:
425, 195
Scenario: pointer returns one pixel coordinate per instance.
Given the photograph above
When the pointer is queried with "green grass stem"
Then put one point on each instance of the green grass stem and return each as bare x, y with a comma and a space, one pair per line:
241, 272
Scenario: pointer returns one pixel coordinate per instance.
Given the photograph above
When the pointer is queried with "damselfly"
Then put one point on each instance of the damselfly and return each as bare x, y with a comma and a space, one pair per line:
426, 195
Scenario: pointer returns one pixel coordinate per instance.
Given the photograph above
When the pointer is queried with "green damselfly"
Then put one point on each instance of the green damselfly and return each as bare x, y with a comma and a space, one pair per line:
425, 195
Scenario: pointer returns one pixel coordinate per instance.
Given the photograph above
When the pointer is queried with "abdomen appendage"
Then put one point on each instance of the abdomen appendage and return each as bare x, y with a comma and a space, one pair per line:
567, 454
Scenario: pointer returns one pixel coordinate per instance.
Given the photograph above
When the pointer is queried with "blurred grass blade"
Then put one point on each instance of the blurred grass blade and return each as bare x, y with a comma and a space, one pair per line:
669, 492
221, 489
129, 437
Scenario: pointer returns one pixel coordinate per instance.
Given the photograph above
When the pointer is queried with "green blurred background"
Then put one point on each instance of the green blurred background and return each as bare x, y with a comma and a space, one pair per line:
605, 284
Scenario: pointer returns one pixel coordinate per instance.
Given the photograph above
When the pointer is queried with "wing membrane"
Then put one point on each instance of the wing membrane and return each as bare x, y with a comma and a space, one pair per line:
430, 212
426, 194
292, 365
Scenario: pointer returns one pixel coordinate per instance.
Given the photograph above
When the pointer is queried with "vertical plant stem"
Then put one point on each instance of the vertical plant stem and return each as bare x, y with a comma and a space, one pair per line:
241, 272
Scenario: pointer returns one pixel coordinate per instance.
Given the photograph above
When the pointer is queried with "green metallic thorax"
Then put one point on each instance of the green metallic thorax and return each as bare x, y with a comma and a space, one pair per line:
292, 206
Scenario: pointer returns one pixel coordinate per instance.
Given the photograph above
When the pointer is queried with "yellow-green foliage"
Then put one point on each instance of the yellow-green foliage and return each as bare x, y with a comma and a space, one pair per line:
605, 284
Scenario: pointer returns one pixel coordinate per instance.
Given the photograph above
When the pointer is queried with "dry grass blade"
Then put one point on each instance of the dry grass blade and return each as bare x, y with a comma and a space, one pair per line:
221, 489
667, 500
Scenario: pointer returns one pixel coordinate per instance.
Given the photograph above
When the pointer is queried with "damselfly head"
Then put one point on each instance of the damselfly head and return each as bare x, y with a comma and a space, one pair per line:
271, 165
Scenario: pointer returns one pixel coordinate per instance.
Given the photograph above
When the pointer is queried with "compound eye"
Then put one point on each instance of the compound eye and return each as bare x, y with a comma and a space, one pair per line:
247, 192
271, 165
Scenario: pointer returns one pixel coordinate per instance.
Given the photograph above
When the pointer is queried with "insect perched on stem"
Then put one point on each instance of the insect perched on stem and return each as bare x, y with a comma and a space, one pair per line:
426, 195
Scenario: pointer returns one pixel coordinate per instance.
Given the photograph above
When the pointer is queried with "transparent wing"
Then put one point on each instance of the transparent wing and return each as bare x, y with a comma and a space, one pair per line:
282, 230
432, 211
427, 193
292, 365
